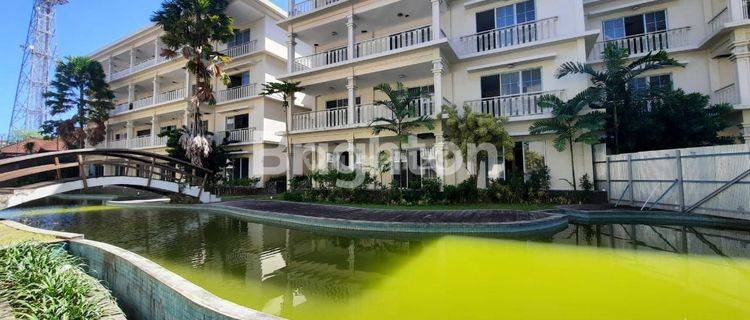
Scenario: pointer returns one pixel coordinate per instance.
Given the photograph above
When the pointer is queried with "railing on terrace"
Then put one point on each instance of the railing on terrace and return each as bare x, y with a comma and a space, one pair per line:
315, 120
161, 141
717, 22
120, 108
366, 114
170, 96
141, 142
321, 59
118, 144
244, 135
727, 94
310, 5
241, 50
143, 102
648, 42
236, 93
519, 105
143, 65
519, 34
393, 42
119, 74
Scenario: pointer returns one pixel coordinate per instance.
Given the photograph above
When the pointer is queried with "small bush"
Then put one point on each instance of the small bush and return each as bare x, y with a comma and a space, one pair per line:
431, 190
586, 184
244, 182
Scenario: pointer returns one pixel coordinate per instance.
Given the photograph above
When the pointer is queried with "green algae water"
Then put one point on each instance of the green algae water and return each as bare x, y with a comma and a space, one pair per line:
584, 272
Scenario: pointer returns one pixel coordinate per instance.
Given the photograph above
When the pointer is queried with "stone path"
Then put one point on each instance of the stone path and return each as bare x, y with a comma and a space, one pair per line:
396, 215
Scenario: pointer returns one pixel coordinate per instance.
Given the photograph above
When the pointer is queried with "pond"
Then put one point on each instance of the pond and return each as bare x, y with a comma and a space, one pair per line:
585, 272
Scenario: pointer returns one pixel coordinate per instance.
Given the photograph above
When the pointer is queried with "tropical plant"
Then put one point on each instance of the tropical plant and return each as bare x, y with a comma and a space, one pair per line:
215, 160
288, 91
611, 86
402, 107
79, 86
472, 129
191, 27
569, 124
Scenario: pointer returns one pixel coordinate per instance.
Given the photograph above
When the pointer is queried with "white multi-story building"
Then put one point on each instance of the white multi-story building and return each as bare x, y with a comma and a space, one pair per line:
497, 57
152, 92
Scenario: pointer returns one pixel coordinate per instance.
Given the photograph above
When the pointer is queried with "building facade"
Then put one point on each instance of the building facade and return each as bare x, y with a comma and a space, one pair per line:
152, 93
496, 57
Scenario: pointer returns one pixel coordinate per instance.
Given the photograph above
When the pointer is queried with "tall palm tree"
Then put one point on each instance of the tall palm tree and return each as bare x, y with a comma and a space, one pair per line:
191, 28
403, 107
612, 82
288, 90
79, 86
569, 124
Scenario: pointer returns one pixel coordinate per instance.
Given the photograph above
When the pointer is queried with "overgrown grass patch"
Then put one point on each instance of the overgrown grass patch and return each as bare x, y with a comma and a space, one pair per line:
41, 281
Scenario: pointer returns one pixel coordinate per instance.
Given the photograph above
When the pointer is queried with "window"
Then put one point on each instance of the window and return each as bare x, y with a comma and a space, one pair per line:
415, 165
240, 37
239, 80
143, 133
118, 137
240, 121
341, 103
241, 168
635, 25
496, 25
168, 128
640, 86
512, 83
342, 161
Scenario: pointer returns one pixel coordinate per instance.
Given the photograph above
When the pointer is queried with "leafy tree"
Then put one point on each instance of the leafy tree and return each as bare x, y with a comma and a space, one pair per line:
216, 160
610, 84
79, 86
191, 28
288, 90
472, 128
403, 107
682, 120
569, 124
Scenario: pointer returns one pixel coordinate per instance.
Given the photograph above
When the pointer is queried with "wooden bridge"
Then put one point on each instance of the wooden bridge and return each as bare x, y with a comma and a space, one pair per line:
36, 176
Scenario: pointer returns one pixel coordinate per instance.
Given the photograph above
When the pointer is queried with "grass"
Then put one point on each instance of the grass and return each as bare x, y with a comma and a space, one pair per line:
11, 236
446, 207
42, 281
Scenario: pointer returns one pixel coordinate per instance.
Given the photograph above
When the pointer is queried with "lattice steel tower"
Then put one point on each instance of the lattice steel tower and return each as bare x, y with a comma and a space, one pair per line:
29, 111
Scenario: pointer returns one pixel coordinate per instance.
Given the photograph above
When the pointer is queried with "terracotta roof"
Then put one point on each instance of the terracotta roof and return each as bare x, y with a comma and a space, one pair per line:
40, 145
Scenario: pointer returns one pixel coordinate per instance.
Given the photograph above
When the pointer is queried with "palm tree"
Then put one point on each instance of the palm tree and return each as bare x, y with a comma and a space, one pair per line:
191, 28
612, 83
288, 91
569, 125
79, 85
403, 106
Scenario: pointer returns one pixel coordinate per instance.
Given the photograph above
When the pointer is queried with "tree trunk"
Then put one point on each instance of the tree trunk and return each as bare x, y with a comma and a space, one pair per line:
572, 164
289, 153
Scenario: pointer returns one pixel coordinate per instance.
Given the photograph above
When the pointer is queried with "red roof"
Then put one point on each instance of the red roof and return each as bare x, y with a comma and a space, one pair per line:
40, 145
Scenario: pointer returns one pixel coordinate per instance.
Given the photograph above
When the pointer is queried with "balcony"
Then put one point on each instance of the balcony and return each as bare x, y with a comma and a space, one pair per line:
236, 136
727, 94
645, 43
143, 65
509, 37
513, 106
135, 143
718, 21
321, 59
237, 93
363, 116
241, 50
308, 6
164, 97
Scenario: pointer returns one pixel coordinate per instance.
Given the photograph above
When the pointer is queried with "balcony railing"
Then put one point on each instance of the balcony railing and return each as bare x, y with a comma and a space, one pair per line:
717, 22
520, 105
170, 96
727, 94
118, 144
141, 142
316, 120
143, 65
648, 42
161, 141
236, 93
235, 136
310, 5
119, 74
241, 50
143, 102
393, 42
366, 114
120, 108
502, 38
321, 59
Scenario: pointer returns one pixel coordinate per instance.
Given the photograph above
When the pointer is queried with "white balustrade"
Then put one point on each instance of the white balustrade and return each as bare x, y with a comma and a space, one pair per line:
143, 65
727, 94
244, 135
501, 38
645, 43
310, 5
170, 96
120, 108
366, 114
161, 141
236, 93
321, 59
118, 144
140, 142
513, 105
120, 74
241, 50
717, 22
393, 42
143, 102
316, 120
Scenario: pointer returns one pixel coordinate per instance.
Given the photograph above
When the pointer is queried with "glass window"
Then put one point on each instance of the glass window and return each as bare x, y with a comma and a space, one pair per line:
656, 21
509, 84
490, 86
485, 20
241, 168
635, 25
143, 133
663, 81
240, 37
512, 83
238, 80
532, 80
638, 85
505, 17
525, 12
614, 29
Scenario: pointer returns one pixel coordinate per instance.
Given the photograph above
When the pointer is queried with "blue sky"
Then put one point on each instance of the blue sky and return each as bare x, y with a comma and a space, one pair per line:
82, 27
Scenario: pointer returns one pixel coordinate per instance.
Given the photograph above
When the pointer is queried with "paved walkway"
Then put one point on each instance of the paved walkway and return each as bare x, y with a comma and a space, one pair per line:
363, 214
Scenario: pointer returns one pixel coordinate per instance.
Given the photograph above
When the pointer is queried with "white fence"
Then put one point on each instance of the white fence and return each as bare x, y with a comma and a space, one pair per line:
708, 180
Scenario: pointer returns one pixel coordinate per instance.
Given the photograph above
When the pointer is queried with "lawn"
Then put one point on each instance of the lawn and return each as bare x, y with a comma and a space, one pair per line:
10, 236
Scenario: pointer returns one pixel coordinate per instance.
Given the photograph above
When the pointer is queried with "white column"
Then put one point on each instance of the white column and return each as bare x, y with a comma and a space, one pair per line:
437, 75
742, 62
352, 100
350, 37
435, 19
109, 68
439, 155
291, 52
157, 49
154, 129
188, 84
132, 58
350, 149
129, 126
131, 93
157, 89
107, 133
186, 118
289, 146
